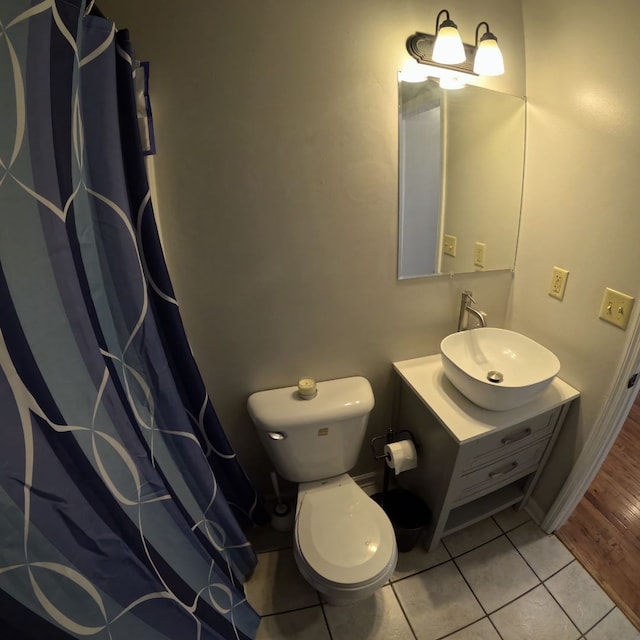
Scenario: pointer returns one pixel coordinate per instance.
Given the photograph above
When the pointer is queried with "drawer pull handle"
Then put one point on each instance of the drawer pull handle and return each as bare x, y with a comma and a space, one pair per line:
502, 472
521, 436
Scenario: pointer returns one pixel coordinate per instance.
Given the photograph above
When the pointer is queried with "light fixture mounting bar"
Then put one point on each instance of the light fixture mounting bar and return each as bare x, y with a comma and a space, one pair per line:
420, 47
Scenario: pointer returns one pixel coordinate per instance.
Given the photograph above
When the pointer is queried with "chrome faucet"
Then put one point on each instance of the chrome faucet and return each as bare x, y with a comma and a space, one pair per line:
466, 309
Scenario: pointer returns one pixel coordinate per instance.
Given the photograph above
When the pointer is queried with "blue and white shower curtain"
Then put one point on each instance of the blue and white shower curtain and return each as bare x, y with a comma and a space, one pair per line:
120, 497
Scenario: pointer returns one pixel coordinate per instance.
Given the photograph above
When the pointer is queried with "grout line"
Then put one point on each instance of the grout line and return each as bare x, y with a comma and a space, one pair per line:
404, 613
570, 618
487, 613
482, 544
524, 593
417, 573
519, 526
466, 627
279, 613
562, 609
493, 517
590, 629
453, 559
497, 524
510, 601
555, 574
493, 624
535, 573
326, 620
541, 582
473, 593
506, 604
611, 593
562, 568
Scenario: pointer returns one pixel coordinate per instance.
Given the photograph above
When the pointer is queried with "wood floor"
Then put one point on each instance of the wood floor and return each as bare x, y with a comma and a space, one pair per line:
604, 530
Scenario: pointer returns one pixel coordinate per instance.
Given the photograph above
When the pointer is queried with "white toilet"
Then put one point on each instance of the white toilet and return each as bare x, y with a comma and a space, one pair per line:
344, 545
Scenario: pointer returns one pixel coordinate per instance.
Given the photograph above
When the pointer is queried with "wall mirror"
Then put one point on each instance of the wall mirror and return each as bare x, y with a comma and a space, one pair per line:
461, 162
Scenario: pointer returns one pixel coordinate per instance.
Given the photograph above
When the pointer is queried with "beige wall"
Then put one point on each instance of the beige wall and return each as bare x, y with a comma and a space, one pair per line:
581, 196
276, 128
277, 135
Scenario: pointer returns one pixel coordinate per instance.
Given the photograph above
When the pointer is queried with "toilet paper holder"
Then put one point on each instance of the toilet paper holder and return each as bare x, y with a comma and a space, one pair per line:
391, 436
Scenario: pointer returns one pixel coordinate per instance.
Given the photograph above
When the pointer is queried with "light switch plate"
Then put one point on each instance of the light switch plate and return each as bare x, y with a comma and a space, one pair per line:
450, 244
616, 307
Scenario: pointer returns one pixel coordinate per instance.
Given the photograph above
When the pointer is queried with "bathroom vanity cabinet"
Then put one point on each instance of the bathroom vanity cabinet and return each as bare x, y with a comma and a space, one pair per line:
472, 462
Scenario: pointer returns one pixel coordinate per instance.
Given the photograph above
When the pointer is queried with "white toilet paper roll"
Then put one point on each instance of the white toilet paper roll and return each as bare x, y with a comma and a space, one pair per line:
401, 456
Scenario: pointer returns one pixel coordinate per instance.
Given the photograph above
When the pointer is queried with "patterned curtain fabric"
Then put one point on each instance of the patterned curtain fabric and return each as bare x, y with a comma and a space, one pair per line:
120, 495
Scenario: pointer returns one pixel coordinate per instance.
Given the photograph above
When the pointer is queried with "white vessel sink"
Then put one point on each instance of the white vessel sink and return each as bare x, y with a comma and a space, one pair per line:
497, 369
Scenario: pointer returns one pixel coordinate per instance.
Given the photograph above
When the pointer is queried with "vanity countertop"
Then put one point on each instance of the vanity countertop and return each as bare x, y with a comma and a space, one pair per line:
464, 420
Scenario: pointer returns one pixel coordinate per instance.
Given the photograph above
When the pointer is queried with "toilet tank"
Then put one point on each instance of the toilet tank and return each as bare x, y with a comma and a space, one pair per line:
313, 439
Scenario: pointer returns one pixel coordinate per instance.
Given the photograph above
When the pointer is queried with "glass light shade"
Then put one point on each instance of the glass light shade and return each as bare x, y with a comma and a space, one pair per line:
448, 48
488, 60
451, 82
412, 71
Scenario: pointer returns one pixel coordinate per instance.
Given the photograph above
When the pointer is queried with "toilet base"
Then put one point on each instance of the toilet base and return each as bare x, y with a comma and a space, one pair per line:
343, 595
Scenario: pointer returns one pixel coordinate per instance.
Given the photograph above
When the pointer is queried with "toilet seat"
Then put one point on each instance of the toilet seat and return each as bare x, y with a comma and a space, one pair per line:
342, 536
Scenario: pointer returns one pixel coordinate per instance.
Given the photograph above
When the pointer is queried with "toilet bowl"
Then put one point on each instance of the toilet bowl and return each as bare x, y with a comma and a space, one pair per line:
344, 543
345, 546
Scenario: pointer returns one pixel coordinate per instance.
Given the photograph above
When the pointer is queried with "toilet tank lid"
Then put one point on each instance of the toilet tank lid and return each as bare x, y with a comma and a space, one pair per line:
336, 400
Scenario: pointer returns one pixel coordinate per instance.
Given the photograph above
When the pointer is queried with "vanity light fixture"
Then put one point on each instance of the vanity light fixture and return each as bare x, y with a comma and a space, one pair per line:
488, 60
434, 51
448, 47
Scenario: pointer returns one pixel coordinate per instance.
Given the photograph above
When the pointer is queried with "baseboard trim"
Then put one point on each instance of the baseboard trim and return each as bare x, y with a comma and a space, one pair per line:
370, 482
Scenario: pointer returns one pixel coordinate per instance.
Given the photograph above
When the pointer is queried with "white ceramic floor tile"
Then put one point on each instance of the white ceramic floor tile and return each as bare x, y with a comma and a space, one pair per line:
305, 624
510, 518
496, 573
419, 559
277, 586
437, 602
544, 553
481, 630
614, 626
579, 595
376, 618
534, 616
471, 537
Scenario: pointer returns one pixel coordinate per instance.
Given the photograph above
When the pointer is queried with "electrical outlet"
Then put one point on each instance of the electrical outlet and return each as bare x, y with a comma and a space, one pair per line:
616, 307
479, 254
558, 282
450, 244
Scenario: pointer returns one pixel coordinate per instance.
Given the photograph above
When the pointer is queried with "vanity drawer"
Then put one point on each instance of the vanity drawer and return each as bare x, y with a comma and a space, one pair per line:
501, 472
508, 441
